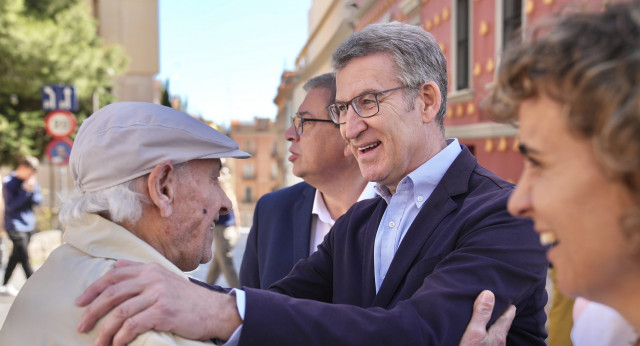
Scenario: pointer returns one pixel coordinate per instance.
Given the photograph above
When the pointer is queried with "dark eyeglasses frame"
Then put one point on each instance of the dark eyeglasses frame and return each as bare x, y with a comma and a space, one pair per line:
300, 129
335, 113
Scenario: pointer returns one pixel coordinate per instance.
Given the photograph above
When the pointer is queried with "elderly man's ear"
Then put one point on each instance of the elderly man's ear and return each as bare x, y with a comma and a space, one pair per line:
161, 187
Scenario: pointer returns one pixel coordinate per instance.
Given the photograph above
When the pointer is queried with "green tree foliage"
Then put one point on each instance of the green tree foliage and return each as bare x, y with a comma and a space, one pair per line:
48, 42
165, 98
171, 101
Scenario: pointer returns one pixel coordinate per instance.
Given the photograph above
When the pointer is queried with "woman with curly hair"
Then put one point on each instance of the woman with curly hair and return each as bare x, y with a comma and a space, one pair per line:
573, 88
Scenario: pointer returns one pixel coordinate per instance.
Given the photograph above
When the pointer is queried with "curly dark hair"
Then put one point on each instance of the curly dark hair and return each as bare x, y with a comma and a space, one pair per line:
589, 62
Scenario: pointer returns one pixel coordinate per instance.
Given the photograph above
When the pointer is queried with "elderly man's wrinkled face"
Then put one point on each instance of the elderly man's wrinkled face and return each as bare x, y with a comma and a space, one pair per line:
199, 200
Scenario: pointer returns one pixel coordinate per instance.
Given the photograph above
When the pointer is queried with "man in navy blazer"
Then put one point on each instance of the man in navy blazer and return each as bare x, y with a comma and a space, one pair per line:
279, 235
290, 223
400, 269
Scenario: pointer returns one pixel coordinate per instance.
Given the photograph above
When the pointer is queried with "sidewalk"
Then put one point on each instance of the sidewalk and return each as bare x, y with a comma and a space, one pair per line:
41, 245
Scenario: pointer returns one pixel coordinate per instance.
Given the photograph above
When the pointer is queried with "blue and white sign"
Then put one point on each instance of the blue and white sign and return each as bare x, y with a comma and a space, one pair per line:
59, 150
59, 96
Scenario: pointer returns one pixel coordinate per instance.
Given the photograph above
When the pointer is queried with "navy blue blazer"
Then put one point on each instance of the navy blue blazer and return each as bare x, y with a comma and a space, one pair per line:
461, 242
279, 236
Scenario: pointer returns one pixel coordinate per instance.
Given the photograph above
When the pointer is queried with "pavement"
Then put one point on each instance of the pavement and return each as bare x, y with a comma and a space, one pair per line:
42, 243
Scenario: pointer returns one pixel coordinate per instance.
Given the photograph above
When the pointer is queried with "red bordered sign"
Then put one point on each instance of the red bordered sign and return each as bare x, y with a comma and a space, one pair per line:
58, 151
60, 124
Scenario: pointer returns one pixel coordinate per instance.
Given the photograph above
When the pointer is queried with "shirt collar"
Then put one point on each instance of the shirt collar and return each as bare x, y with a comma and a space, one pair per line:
424, 179
369, 191
320, 208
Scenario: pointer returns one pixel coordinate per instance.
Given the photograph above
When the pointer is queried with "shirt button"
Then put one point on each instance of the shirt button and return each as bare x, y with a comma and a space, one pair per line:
420, 198
392, 224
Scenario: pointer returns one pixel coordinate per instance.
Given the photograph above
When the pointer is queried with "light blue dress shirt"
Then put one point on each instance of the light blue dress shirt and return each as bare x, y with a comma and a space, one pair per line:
403, 206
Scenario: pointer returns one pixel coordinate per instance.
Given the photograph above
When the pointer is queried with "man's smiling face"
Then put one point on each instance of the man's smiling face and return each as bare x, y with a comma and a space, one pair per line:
390, 144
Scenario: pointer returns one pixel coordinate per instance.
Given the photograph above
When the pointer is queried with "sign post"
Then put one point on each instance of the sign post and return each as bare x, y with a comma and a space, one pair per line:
59, 100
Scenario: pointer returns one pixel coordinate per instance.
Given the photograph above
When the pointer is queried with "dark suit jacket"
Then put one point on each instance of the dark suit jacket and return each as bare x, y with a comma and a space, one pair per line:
461, 242
279, 236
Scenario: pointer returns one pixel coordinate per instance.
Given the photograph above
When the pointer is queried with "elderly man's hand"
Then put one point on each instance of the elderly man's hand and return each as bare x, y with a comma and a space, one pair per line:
476, 333
140, 297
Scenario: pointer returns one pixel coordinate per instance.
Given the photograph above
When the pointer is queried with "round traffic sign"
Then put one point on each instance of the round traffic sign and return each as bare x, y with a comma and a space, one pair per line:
60, 124
58, 151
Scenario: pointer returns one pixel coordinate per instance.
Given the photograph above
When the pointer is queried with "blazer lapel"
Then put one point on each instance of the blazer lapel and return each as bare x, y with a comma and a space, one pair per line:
437, 207
371, 228
301, 227
417, 235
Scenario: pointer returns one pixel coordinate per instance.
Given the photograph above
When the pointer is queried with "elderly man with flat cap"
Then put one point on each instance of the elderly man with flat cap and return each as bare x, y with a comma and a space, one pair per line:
146, 190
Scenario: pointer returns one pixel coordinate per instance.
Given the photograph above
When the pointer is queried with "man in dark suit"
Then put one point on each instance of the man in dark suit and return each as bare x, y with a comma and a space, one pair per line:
400, 269
290, 223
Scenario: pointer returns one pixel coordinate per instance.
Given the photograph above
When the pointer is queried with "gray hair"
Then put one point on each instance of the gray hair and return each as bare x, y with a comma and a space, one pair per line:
417, 56
325, 81
120, 203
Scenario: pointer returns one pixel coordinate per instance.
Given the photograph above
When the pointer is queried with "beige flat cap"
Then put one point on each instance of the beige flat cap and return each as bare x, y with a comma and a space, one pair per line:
125, 140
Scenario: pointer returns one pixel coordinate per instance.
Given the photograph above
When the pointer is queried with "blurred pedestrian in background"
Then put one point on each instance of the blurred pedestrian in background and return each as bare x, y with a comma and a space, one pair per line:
224, 238
20, 192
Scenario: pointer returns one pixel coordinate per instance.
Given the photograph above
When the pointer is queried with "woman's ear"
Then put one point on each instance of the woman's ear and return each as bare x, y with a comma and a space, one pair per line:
161, 187
431, 101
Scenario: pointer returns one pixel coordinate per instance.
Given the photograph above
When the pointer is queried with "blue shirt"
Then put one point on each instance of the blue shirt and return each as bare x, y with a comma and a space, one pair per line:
227, 219
403, 206
18, 204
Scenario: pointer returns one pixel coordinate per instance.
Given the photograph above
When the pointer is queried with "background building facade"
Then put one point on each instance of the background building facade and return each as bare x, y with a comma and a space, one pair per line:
255, 176
471, 34
134, 26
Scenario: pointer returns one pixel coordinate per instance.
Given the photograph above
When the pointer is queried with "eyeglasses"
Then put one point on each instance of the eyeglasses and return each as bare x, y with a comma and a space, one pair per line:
298, 122
366, 105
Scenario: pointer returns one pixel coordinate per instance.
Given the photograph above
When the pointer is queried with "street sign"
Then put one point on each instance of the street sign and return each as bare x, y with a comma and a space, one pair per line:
58, 151
60, 124
59, 96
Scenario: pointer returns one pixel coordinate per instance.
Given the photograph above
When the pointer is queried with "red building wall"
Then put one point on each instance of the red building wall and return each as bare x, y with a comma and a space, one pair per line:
499, 154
